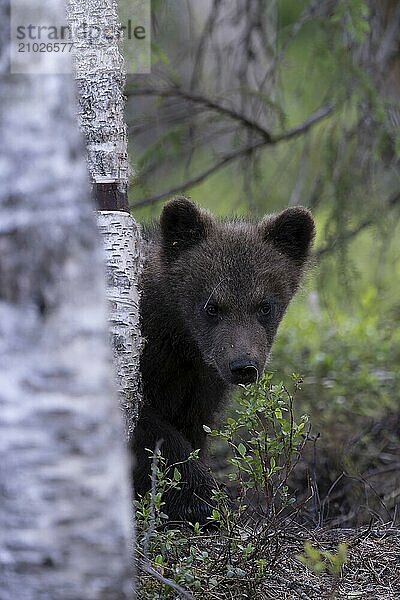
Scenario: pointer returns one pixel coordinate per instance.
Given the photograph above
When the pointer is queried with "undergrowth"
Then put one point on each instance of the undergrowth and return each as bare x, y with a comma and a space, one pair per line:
241, 544
351, 387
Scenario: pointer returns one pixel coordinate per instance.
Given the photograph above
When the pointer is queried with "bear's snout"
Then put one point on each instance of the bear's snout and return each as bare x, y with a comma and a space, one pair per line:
244, 370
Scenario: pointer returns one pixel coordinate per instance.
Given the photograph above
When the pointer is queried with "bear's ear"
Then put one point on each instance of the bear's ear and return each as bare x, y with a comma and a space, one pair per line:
183, 225
292, 231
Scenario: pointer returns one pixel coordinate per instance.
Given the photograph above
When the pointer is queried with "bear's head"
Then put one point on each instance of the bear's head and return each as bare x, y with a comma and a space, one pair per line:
231, 282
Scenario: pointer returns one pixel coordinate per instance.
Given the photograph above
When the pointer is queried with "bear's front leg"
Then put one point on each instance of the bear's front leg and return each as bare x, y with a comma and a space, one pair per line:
192, 502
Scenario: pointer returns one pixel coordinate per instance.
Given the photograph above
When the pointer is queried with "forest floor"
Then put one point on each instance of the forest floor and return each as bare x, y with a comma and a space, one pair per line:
371, 573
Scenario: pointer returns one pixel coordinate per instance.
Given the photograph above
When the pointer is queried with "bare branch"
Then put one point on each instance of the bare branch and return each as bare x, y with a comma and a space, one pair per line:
312, 120
332, 243
152, 524
207, 102
147, 568
199, 178
144, 563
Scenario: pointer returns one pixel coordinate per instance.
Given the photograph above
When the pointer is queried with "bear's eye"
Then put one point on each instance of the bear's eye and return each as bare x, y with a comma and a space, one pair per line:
212, 309
265, 309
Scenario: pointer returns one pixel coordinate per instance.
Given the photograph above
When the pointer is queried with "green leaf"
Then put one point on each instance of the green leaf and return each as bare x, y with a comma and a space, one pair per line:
242, 449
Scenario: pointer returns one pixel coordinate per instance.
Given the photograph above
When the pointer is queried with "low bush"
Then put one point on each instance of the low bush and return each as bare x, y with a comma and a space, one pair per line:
241, 544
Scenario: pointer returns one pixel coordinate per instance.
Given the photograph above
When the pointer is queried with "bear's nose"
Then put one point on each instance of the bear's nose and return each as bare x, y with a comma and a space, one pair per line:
244, 370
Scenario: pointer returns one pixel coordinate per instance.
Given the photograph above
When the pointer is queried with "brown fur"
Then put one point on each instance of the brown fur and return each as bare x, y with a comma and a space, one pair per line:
213, 295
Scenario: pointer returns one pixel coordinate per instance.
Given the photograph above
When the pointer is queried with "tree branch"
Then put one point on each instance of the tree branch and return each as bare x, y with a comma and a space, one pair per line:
317, 116
145, 563
147, 568
199, 178
331, 244
206, 102
312, 120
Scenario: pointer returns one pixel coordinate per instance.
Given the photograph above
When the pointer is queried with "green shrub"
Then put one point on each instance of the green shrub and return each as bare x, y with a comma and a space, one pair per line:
319, 561
349, 358
264, 442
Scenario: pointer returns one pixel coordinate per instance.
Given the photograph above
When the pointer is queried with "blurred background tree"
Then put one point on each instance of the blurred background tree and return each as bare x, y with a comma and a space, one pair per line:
253, 105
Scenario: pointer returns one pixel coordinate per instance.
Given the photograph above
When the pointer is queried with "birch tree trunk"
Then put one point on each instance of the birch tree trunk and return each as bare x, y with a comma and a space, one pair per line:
123, 250
99, 71
65, 520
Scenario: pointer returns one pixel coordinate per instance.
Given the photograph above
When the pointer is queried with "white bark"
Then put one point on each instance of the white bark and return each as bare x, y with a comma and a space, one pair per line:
100, 77
122, 243
65, 503
99, 72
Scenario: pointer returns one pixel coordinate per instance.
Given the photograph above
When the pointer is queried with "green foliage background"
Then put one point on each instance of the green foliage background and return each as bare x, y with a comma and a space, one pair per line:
341, 333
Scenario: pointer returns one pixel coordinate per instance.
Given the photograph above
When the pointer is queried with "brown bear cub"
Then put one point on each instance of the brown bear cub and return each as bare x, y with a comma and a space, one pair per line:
213, 295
